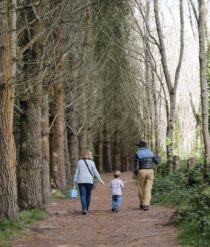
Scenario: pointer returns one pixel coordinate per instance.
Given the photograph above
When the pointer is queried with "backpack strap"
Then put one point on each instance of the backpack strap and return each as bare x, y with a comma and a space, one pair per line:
88, 167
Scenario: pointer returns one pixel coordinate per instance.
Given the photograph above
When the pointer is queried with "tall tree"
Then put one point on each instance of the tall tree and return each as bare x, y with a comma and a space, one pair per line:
45, 149
30, 159
202, 27
57, 131
171, 85
8, 188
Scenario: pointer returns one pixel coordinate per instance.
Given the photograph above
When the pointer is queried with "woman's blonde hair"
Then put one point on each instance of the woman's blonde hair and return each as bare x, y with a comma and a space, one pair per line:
87, 154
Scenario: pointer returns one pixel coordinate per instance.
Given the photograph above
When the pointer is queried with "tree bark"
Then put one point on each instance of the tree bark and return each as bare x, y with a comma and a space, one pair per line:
31, 177
176, 163
156, 118
8, 188
29, 172
74, 140
107, 161
85, 141
45, 150
100, 155
116, 152
67, 163
57, 152
170, 130
202, 25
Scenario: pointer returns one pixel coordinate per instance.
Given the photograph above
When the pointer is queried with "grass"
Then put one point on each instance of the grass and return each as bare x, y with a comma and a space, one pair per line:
13, 228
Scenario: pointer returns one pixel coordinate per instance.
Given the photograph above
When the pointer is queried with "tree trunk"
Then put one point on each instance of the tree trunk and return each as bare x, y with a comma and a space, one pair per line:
127, 162
107, 152
8, 188
170, 131
116, 153
107, 157
202, 24
29, 172
67, 163
176, 163
156, 118
57, 152
74, 152
45, 150
73, 138
100, 155
172, 89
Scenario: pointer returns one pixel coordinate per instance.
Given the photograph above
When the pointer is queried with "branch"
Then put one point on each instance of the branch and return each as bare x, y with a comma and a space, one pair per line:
194, 10
181, 46
162, 47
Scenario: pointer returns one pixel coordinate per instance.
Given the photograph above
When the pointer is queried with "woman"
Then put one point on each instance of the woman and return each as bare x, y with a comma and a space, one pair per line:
84, 174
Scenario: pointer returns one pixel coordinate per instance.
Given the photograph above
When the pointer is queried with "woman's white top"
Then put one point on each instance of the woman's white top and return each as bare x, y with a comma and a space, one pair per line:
82, 174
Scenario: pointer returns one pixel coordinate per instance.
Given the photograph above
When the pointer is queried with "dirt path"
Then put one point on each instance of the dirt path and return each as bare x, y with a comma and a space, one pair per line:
66, 227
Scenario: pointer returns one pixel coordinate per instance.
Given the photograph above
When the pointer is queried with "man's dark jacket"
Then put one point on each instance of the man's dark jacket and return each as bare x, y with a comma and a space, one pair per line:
144, 159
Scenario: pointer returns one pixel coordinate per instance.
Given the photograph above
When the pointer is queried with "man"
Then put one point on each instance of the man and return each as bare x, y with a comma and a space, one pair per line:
143, 168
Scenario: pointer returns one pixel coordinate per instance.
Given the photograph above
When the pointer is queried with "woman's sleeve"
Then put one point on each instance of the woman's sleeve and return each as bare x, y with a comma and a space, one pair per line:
76, 173
96, 173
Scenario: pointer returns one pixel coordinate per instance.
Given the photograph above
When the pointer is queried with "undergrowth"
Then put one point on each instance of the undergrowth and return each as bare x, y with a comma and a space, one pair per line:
10, 228
189, 194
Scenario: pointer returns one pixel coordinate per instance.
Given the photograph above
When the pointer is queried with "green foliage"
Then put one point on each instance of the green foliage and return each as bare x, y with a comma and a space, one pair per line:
58, 194
168, 141
12, 228
189, 193
168, 190
28, 216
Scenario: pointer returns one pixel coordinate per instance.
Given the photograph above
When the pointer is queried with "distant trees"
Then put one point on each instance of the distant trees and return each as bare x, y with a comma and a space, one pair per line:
79, 75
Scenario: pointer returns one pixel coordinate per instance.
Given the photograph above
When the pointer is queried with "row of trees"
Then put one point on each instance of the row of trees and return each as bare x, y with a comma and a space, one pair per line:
60, 94
78, 75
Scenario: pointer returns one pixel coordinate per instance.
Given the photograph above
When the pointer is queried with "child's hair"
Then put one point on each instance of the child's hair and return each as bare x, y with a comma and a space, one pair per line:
116, 174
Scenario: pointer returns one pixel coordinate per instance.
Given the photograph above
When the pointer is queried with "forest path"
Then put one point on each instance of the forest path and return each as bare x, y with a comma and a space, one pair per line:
131, 227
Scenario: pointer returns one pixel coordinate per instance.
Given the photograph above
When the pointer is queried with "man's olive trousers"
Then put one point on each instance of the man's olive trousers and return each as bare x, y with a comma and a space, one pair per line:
145, 181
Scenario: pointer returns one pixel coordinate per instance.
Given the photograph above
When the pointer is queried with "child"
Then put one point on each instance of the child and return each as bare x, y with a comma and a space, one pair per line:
116, 186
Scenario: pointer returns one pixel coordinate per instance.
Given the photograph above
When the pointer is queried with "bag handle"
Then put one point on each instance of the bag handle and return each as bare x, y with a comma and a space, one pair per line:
88, 167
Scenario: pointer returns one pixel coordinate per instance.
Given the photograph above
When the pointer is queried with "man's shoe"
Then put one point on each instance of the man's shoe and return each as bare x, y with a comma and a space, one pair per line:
146, 208
141, 207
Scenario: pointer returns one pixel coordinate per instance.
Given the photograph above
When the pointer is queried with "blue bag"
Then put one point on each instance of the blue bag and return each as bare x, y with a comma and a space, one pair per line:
73, 192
